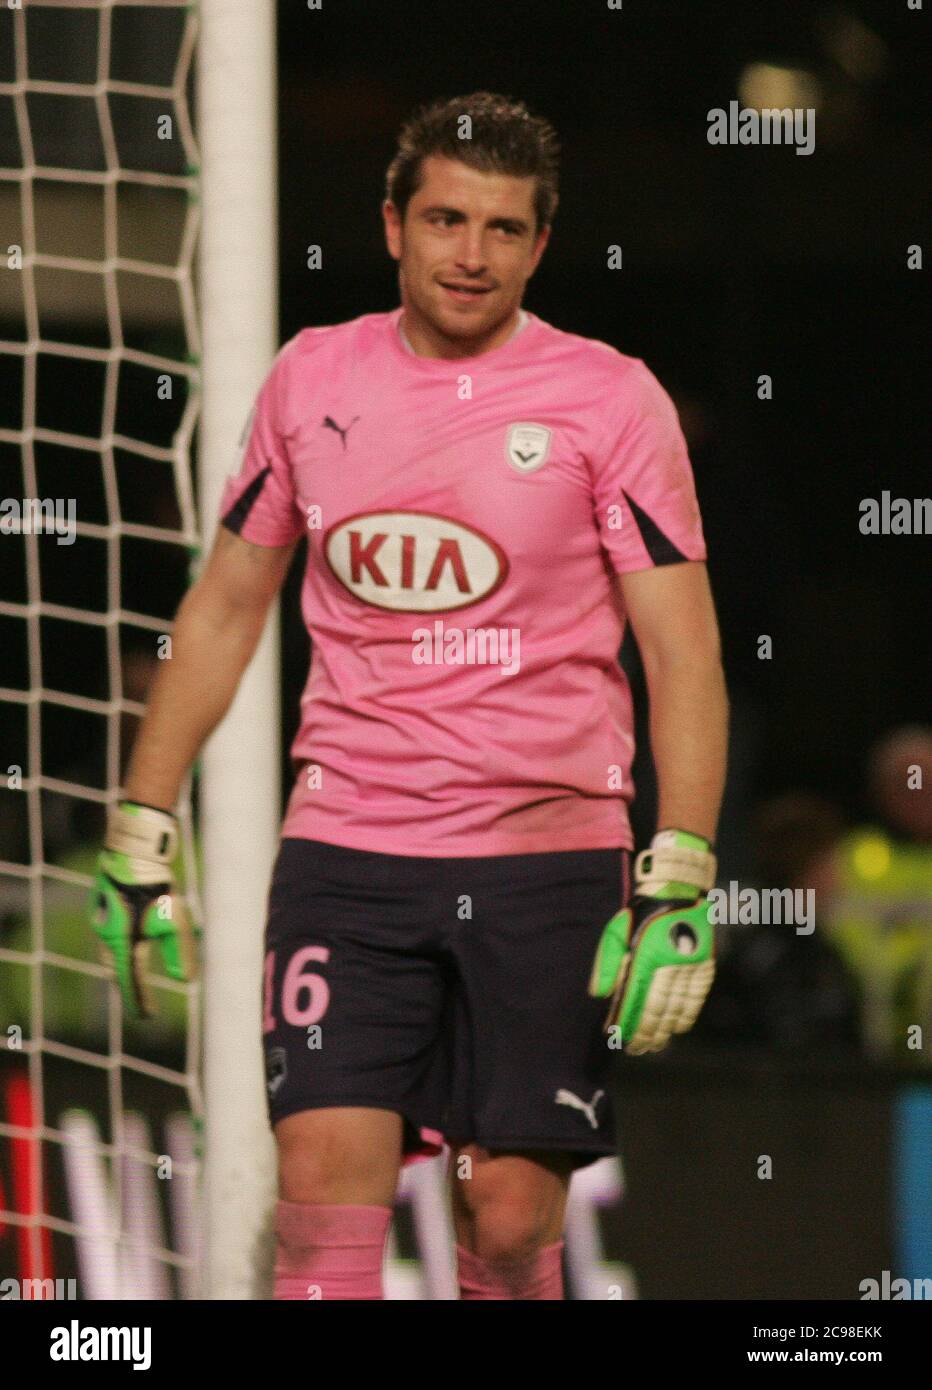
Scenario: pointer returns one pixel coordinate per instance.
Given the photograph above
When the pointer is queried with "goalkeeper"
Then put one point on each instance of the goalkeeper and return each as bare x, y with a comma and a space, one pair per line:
456, 847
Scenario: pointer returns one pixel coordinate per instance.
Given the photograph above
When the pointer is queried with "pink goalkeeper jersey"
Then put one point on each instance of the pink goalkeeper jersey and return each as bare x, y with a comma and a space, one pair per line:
464, 519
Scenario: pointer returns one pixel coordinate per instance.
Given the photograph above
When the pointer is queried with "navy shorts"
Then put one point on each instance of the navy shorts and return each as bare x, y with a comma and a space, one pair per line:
452, 991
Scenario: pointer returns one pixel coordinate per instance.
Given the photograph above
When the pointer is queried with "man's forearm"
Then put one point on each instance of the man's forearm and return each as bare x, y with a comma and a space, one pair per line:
191, 692
689, 740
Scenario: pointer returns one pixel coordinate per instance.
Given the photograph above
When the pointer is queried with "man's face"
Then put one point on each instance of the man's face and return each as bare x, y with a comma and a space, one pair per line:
907, 807
466, 249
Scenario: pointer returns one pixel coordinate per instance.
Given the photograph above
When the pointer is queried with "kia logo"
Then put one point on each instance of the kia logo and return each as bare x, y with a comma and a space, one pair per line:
414, 562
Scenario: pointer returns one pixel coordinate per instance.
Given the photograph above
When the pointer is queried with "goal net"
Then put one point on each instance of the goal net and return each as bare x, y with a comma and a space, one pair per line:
99, 350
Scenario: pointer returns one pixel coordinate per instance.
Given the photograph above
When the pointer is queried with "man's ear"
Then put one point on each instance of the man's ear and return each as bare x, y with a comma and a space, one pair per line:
392, 219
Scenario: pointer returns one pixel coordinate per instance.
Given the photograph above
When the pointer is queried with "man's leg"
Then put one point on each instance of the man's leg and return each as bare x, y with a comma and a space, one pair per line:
508, 1211
351, 1026
530, 1063
337, 1174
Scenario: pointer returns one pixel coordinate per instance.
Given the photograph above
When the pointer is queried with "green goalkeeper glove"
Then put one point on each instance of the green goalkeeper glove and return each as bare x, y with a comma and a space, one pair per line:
133, 903
656, 958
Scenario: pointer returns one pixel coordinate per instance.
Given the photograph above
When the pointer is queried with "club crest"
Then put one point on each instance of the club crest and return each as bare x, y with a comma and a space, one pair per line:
527, 447
276, 1069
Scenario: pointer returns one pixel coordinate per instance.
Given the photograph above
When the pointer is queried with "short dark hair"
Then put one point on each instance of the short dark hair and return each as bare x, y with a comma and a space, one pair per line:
504, 139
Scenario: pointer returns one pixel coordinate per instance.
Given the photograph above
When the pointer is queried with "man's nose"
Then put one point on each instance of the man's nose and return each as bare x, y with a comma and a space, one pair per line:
469, 252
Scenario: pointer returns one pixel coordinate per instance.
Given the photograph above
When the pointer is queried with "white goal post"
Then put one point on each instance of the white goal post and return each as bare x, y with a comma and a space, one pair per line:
236, 124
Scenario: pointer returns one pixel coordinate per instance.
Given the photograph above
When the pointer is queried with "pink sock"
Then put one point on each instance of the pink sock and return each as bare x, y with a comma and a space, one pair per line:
541, 1276
329, 1252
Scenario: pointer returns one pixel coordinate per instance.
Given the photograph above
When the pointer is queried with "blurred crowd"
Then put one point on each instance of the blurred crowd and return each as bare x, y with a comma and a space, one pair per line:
861, 980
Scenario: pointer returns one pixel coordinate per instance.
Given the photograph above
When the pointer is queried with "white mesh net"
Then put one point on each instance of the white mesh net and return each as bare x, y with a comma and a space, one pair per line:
98, 350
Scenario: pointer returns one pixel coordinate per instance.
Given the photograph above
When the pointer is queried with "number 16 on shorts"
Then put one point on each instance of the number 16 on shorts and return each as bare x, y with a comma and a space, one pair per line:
305, 994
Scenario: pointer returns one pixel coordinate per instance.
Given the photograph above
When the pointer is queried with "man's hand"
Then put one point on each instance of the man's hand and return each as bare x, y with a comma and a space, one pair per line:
133, 903
656, 958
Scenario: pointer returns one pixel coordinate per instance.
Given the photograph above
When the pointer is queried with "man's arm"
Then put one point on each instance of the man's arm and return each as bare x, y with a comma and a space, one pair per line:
215, 633
673, 618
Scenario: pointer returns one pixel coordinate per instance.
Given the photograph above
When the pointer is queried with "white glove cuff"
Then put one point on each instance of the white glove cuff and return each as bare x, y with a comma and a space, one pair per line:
144, 834
666, 862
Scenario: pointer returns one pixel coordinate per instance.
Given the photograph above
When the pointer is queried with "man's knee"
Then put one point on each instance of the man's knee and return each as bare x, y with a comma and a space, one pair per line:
339, 1155
509, 1205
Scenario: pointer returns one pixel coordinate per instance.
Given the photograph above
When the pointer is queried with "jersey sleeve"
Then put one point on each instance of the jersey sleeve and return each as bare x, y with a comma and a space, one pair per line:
643, 490
258, 502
